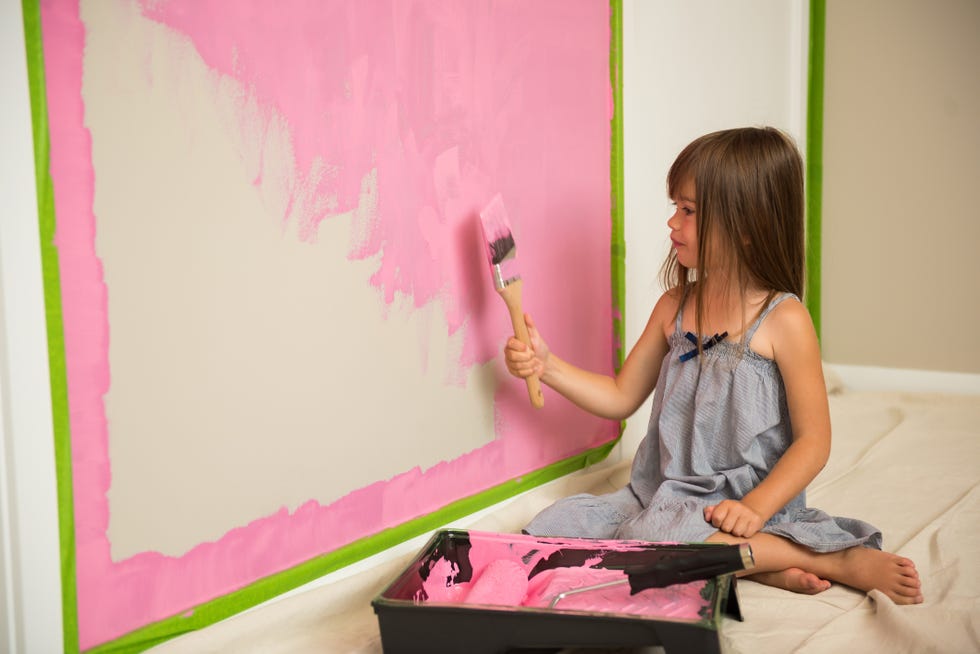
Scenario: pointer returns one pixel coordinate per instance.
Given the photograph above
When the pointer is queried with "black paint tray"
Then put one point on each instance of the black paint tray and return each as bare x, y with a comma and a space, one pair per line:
411, 622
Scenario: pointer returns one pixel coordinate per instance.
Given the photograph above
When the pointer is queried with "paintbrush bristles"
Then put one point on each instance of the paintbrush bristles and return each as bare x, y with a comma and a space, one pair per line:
501, 250
496, 230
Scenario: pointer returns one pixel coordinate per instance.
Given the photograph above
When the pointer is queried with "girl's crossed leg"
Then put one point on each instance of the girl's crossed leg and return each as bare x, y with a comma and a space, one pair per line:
784, 564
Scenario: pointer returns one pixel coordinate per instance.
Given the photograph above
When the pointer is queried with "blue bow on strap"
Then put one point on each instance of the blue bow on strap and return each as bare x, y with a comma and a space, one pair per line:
707, 345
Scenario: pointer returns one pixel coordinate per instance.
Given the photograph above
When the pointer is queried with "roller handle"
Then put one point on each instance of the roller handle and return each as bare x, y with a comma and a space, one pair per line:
683, 567
512, 298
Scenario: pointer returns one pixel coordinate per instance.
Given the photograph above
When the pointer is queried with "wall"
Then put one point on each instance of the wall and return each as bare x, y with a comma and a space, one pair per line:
331, 164
901, 165
690, 67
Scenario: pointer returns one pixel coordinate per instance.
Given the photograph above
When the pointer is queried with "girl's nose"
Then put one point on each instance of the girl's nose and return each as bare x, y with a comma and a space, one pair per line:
672, 221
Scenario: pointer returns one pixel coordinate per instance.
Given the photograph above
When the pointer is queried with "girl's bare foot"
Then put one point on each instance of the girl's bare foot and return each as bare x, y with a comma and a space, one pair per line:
895, 576
859, 567
793, 579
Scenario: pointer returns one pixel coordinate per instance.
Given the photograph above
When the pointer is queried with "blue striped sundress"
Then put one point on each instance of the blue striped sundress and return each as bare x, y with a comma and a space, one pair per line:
719, 424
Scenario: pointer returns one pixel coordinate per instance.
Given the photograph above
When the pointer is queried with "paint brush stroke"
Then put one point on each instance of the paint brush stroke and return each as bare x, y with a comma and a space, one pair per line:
379, 94
465, 101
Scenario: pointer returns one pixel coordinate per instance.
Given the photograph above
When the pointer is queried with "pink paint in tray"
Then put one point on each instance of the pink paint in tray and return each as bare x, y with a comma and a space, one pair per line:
488, 592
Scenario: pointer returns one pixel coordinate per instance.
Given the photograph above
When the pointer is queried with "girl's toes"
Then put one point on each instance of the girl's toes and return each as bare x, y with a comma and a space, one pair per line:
906, 595
813, 583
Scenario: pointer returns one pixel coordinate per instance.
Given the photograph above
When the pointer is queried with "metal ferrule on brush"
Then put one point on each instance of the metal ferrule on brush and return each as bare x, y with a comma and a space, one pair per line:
504, 273
748, 560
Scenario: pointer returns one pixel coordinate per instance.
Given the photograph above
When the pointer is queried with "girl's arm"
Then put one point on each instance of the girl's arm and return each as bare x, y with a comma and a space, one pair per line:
797, 353
608, 397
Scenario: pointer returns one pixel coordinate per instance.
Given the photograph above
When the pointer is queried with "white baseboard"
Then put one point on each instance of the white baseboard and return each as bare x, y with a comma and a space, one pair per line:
870, 378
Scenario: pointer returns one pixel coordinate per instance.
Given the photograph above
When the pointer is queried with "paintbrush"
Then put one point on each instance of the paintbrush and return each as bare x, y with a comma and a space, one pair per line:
502, 253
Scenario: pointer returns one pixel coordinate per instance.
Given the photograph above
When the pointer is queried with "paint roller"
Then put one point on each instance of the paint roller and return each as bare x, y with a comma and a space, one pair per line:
505, 582
670, 567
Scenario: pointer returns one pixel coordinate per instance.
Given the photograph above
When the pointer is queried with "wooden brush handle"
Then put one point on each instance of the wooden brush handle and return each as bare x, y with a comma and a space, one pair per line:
512, 298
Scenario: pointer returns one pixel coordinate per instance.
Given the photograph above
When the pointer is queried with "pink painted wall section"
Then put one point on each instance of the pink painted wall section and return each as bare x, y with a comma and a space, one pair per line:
444, 99
447, 102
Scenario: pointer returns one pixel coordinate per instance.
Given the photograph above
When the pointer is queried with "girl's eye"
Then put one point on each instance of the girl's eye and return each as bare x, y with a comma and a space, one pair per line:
687, 210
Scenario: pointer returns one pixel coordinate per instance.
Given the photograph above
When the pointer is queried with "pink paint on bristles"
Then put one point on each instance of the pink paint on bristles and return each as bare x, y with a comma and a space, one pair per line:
496, 230
501, 250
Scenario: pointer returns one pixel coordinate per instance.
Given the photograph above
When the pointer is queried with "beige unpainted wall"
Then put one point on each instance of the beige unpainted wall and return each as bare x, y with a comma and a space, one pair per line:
901, 216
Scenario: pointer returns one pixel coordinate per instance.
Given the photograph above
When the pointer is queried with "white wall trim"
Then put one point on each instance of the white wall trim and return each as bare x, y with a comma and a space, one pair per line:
30, 568
799, 81
870, 378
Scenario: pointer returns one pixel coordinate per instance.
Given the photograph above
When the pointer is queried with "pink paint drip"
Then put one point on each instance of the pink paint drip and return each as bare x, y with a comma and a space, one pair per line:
445, 114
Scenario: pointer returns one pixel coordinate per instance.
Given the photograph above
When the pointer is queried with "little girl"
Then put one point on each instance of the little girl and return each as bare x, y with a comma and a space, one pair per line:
740, 421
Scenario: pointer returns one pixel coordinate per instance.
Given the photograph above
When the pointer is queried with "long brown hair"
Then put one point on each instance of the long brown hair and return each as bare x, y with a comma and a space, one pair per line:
748, 185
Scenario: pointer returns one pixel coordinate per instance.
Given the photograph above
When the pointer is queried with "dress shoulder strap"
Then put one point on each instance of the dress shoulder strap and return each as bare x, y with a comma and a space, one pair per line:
765, 312
679, 320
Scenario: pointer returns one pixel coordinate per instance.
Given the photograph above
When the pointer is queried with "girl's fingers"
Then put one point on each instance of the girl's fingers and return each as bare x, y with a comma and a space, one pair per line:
738, 529
731, 522
520, 358
520, 363
724, 519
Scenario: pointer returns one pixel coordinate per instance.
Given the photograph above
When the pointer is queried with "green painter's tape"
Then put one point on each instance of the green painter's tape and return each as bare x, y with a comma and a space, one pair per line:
274, 585
617, 192
814, 159
617, 187
55, 326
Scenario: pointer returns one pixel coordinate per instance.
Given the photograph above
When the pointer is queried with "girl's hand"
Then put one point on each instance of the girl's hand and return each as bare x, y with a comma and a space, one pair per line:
522, 361
735, 518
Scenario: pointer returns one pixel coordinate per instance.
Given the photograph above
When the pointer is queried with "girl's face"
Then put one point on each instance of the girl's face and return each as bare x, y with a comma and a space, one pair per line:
684, 226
